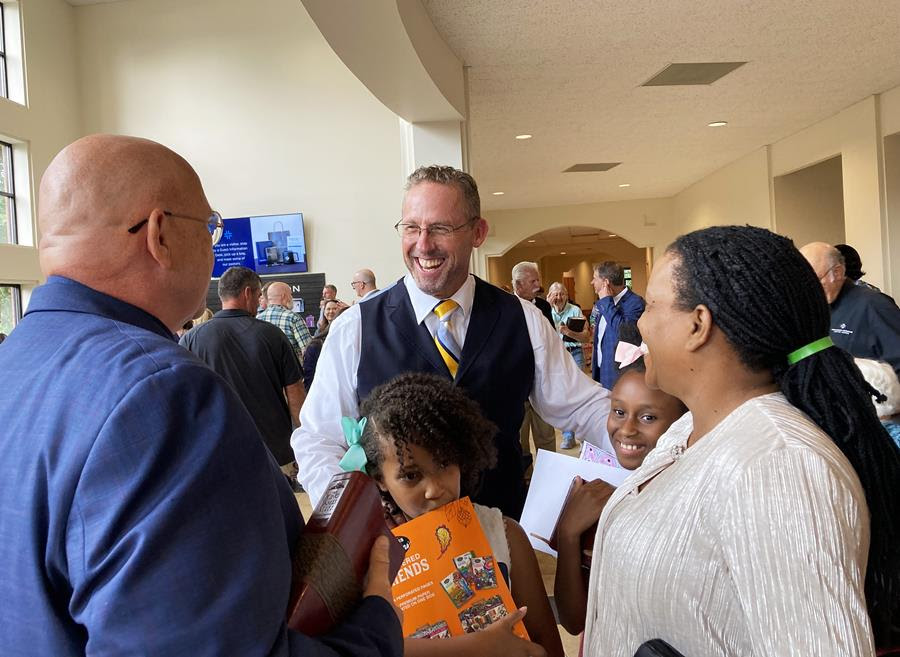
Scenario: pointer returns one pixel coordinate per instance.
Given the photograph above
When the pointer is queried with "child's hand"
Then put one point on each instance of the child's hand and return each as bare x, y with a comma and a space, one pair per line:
584, 507
498, 639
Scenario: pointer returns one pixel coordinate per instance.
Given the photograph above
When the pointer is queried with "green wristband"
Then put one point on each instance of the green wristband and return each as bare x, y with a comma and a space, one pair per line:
812, 348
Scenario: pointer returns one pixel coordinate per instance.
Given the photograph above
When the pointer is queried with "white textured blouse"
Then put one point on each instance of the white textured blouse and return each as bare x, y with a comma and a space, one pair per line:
753, 542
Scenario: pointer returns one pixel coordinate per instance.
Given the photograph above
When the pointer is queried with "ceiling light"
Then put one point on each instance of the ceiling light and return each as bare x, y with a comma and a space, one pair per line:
520, 137
717, 124
611, 235
625, 185
562, 253
499, 193
532, 241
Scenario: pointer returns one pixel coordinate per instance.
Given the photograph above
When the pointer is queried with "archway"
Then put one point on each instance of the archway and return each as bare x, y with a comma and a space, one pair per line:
567, 254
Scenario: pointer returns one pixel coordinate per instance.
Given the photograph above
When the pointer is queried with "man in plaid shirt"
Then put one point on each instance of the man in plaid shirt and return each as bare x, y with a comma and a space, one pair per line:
280, 313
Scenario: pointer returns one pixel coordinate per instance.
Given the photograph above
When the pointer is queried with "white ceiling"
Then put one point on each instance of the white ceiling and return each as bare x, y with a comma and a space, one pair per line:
569, 72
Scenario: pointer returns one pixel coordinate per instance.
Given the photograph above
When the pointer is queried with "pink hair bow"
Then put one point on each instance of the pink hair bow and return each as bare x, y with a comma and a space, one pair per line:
627, 353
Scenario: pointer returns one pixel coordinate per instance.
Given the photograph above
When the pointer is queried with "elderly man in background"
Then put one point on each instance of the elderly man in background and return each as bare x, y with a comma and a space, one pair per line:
280, 312
864, 322
141, 512
363, 284
562, 311
526, 282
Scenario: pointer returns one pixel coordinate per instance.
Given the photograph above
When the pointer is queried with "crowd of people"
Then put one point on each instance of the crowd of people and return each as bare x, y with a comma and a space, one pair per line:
147, 506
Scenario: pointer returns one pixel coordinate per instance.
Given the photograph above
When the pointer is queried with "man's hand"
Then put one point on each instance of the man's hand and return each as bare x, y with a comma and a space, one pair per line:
378, 578
605, 289
499, 638
584, 507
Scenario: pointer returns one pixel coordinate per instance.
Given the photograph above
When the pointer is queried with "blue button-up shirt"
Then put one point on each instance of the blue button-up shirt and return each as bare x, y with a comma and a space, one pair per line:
140, 512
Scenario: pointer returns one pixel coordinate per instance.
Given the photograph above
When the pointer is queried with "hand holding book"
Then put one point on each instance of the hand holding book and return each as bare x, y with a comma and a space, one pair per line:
582, 508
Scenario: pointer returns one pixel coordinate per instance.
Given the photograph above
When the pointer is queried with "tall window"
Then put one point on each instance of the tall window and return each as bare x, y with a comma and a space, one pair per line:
4, 90
7, 196
10, 307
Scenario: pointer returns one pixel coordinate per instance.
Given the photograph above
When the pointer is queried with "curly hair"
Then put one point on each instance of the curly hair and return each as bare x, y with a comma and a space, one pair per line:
767, 301
430, 412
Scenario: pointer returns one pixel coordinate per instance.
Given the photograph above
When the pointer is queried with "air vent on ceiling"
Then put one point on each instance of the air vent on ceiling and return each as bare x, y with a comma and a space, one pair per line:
689, 74
591, 166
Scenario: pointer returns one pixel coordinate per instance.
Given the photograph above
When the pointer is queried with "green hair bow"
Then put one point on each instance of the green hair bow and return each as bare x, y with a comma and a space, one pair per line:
355, 458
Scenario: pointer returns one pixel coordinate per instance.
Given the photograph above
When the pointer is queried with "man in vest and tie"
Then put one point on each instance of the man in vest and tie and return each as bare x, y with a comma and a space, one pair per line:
440, 319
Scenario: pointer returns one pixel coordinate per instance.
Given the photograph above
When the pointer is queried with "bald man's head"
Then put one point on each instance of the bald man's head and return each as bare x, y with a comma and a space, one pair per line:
363, 282
97, 188
828, 263
280, 293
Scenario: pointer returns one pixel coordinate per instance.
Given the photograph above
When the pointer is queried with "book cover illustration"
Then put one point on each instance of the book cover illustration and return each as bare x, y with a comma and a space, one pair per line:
594, 454
449, 583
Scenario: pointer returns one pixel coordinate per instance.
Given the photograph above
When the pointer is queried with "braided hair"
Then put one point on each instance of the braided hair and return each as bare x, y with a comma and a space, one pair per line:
428, 411
766, 300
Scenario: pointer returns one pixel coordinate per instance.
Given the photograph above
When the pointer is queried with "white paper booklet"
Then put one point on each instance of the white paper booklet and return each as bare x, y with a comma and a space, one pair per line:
553, 473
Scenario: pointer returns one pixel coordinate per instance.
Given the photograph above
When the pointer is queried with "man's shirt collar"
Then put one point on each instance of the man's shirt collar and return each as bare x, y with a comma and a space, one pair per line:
423, 303
64, 294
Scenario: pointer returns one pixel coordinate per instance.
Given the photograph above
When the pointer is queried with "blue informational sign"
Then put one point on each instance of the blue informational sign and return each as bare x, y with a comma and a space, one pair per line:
270, 244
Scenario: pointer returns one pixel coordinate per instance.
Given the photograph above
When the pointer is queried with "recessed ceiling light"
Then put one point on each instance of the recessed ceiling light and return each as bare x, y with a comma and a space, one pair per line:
625, 185
717, 124
532, 241
562, 253
499, 193
523, 137
611, 235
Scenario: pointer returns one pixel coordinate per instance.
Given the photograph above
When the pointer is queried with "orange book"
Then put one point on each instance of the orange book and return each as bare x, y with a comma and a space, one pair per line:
449, 583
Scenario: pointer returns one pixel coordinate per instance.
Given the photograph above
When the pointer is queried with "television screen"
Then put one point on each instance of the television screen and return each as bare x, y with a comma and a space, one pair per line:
269, 244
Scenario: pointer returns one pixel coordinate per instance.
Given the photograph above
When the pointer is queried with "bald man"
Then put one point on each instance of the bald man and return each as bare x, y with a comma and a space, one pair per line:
864, 321
363, 284
279, 310
141, 512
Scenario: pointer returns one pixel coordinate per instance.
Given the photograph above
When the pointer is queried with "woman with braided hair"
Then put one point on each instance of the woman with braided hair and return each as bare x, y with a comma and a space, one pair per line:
766, 520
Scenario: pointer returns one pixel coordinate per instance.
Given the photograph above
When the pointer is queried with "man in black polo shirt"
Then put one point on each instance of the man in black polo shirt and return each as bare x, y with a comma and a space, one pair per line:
256, 359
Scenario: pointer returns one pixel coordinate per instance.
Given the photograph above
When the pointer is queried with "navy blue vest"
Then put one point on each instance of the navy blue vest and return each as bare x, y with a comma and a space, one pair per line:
496, 369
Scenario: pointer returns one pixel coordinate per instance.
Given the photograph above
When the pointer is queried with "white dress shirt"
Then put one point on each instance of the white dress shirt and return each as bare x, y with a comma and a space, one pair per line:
562, 394
753, 542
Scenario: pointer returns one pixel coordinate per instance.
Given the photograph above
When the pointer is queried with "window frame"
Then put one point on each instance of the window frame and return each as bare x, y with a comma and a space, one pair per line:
13, 233
16, 290
4, 72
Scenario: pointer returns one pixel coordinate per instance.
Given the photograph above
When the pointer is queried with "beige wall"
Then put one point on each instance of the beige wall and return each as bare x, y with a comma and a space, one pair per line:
738, 193
49, 120
809, 203
892, 185
265, 111
855, 135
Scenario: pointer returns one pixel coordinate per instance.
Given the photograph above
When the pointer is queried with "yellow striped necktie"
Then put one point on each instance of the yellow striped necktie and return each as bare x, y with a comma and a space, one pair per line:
443, 338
